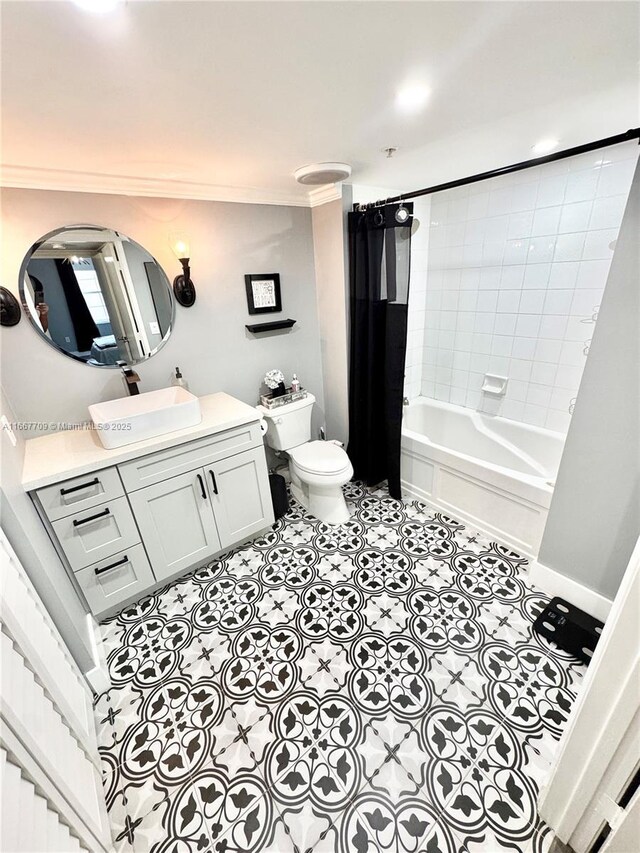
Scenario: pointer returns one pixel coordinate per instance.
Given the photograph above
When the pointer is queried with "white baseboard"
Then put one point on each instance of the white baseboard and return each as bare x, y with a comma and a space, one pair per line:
98, 680
411, 491
98, 677
553, 583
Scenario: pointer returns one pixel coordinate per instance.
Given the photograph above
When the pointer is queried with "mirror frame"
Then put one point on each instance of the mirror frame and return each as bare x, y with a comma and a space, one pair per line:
27, 311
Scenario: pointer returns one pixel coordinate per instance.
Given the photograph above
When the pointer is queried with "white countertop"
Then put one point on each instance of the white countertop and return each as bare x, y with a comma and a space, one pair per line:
52, 458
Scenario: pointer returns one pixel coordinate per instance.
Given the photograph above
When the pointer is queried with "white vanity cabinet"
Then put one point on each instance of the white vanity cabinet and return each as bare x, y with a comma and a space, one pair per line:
188, 518
150, 516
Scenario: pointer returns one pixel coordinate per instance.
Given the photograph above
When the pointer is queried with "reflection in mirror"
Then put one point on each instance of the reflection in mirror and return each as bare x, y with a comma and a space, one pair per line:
97, 296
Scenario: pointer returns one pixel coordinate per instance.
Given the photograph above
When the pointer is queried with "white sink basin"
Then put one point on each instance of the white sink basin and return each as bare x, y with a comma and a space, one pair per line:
130, 419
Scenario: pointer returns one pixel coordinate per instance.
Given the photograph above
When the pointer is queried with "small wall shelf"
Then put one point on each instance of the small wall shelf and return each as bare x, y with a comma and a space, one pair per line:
271, 326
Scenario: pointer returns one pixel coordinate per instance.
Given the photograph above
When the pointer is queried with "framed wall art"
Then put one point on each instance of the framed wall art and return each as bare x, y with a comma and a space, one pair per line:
263, 293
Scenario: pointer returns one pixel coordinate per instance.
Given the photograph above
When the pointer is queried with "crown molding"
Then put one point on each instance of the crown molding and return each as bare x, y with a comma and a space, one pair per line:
25, 177
325, 194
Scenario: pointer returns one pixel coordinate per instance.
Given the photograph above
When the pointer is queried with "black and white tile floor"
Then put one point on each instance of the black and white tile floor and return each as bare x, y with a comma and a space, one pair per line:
374, 688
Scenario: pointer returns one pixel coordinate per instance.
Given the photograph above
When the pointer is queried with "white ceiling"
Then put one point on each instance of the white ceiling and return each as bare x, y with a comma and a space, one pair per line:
195, 98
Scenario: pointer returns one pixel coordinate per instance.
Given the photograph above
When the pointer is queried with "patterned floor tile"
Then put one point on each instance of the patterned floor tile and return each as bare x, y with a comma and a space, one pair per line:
376, 824
227, 813
180, 597
115, 712
281, 840
465, 694
324, 667
336, 567
375, 686
277, 606
307, 829
246, 721
205, 655
391, 756
388, 613
137, 820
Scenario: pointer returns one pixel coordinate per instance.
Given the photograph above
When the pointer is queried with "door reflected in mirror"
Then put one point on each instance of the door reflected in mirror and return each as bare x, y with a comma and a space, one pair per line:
97, 296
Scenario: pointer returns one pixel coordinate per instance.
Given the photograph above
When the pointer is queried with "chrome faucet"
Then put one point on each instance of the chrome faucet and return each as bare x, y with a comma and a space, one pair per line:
130, 377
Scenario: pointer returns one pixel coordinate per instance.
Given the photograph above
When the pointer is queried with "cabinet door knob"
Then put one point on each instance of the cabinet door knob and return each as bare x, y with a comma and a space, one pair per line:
203, 491
213, 482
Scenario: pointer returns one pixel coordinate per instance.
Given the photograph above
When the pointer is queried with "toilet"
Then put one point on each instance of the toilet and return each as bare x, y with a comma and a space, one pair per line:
318, 469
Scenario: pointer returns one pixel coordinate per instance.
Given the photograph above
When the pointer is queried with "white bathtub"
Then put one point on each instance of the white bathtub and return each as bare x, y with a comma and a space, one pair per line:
490, 472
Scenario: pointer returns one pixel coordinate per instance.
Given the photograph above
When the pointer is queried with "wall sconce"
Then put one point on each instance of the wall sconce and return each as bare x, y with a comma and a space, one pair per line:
183, 287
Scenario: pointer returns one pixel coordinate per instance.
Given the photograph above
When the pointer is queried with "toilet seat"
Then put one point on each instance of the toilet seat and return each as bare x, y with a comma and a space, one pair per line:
320, 458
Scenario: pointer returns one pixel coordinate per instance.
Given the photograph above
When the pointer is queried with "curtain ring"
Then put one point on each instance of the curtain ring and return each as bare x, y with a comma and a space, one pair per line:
402, 214
378, 219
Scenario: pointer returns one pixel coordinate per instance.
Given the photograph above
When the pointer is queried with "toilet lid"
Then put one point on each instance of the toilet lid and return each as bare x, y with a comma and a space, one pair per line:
320, 457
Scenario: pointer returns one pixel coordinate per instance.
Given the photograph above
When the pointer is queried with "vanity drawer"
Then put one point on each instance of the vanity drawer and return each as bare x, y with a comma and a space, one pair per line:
80, 493
110, 582
97, 533
156, 467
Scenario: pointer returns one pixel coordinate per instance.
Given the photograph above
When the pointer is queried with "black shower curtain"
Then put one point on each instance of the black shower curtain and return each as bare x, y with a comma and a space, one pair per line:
83, 325
379, 257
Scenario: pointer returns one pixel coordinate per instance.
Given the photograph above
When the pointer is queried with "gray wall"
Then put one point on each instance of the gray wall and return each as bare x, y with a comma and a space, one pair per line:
330, 248
209, 342
31, 543
594, 519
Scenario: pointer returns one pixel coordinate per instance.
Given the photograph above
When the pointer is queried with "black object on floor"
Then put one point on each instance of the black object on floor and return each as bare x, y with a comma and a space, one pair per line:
279, 495
569, 628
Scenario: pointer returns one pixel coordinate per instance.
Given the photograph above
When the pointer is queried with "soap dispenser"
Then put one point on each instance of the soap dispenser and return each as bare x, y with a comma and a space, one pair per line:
295, 384
179, 380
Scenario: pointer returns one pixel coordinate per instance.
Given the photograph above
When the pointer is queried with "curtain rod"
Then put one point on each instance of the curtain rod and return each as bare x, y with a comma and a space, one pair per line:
634, 133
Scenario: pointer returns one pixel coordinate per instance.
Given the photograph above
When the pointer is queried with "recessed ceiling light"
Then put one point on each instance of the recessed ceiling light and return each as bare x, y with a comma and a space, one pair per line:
100, 7
412, 97
545, 146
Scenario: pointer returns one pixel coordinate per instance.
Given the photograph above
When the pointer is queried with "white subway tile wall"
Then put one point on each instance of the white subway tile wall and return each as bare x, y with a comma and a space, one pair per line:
507, 276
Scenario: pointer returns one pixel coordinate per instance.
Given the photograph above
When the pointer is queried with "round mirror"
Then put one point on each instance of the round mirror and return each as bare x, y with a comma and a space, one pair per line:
96, 296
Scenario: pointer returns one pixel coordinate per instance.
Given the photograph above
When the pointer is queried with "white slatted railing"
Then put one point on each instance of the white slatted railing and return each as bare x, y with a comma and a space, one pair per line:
51, 780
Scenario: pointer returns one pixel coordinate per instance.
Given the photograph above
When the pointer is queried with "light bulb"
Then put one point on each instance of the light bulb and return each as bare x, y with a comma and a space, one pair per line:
180, 246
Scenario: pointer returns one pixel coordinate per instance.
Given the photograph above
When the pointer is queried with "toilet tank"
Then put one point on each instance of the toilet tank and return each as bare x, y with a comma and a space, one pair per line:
289, 426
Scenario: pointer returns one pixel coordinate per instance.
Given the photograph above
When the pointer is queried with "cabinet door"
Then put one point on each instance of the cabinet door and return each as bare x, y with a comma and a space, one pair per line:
240, 494
176, 523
